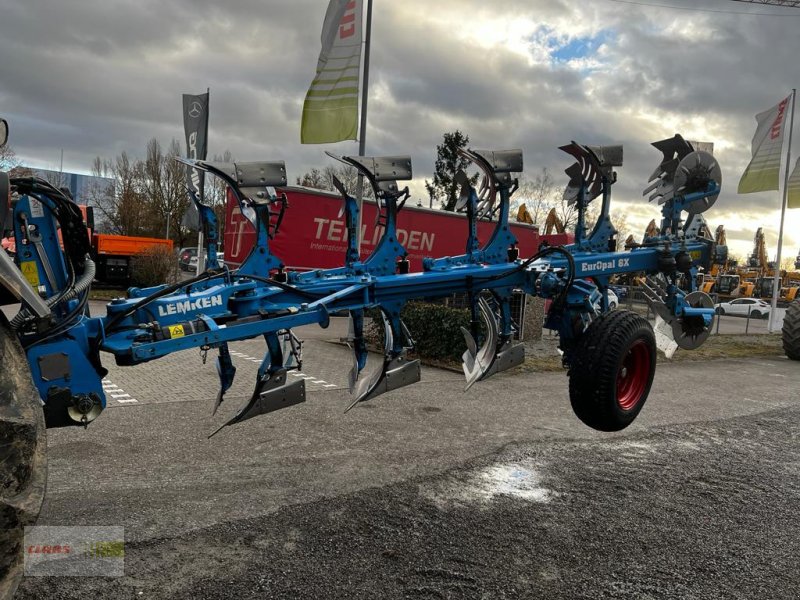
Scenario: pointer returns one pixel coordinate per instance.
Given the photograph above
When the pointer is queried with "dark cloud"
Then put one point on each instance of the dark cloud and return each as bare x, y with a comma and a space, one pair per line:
96, 78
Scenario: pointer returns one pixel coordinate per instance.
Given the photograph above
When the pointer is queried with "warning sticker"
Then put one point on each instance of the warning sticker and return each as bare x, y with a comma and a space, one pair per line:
31, 272
176, 331
37, 211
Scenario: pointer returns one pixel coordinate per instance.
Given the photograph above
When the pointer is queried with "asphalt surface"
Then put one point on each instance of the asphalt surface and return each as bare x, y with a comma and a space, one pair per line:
428, 492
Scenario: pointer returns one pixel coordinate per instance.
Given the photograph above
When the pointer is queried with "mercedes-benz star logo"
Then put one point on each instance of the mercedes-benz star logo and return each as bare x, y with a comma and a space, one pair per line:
195, 110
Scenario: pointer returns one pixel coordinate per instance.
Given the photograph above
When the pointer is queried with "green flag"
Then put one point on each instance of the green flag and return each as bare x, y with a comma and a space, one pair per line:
330, 111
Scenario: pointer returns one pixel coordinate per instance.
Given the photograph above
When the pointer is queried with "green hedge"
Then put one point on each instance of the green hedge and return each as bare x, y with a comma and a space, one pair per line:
434, 327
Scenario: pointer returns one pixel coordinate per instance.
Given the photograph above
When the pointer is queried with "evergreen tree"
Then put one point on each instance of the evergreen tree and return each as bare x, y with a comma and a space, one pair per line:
448, 163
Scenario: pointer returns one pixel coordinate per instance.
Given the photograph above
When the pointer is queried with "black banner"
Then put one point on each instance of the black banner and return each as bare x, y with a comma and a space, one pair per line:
195, 125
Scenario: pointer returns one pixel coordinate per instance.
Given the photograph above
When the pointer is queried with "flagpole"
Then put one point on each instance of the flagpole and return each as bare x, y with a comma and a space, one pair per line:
362, 138
201, 261
776, 287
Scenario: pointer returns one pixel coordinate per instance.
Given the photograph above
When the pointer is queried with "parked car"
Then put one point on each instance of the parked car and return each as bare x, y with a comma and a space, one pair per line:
613, 300
193, 261
620, 290
757, 309
184, 258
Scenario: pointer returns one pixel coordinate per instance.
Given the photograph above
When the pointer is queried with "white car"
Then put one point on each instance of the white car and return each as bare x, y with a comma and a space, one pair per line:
613, 301
757, 309
193, 261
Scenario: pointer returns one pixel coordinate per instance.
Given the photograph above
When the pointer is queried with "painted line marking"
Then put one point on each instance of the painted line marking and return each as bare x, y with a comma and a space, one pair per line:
329, 385
116, 393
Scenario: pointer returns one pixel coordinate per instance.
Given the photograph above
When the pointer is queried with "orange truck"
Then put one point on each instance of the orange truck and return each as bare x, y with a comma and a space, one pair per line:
114, 254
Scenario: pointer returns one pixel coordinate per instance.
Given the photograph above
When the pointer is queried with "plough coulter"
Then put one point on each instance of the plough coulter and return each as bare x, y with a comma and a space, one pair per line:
52, 369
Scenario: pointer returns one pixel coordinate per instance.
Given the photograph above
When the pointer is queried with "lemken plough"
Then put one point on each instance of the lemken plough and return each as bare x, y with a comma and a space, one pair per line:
52, 372
610, 374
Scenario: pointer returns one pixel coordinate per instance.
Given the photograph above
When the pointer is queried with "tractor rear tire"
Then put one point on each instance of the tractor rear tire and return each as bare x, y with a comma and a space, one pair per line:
791, 331
612, 370
23, 460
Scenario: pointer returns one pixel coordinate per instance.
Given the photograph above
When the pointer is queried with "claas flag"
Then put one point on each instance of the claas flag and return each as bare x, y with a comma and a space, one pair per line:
763, 172
330, 111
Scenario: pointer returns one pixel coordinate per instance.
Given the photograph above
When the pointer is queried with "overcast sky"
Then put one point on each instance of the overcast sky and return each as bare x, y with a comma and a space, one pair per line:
96, 77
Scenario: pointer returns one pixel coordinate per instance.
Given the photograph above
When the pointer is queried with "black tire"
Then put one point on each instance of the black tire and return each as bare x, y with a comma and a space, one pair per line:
23, 446
721, 311
612, 370
756, 314
791, 331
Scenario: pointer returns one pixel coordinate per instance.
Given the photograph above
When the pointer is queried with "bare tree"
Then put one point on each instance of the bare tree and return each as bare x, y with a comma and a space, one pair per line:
164, 184
314, 179
620, 220
323, 180
539, 195
11, 163
216, 192
126, 209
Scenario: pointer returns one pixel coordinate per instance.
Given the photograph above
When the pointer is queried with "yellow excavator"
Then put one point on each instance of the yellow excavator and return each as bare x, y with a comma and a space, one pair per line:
652, 229
553, 224
757, 267
720, 239
523, 216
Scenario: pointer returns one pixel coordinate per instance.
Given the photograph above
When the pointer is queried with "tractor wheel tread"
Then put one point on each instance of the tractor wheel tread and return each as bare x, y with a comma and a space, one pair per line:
593, 373
22, 454
791, 331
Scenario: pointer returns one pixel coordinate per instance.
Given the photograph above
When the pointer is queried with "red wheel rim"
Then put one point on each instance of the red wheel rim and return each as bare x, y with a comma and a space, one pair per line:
633, 375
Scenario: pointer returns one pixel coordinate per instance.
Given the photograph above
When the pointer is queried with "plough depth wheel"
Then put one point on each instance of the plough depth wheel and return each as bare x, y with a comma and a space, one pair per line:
791, 331
612, 370
23, 474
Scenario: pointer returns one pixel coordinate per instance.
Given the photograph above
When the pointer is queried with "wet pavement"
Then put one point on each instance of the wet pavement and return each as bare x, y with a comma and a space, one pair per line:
429, 492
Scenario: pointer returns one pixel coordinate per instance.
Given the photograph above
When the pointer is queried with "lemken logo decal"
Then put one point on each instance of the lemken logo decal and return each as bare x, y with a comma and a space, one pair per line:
605, 265
187, 306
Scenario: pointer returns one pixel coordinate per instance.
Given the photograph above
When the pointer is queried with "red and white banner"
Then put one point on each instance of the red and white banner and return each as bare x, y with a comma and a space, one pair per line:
762, 173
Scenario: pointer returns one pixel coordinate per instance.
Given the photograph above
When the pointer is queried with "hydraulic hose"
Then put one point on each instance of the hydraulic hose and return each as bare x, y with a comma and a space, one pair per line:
81, 285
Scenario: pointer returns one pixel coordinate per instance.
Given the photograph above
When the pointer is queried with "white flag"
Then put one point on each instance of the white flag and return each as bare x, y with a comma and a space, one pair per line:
793, 188
330, 111
763, 172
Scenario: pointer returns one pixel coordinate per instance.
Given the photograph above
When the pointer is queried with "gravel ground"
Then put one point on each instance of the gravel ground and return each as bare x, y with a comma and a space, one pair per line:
705, 510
